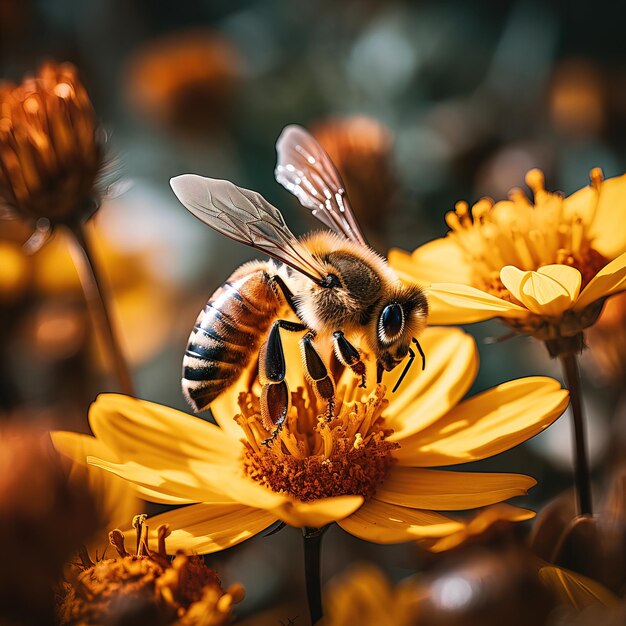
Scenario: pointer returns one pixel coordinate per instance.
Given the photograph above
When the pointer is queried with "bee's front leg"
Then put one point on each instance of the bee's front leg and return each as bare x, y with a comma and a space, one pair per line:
349, 355
317, 374
272, 370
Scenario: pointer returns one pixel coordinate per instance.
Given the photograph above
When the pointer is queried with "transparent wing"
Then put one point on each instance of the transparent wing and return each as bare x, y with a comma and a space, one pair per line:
245, 216
305, 169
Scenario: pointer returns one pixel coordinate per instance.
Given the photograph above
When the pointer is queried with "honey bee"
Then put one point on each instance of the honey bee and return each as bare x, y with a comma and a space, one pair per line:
339, 289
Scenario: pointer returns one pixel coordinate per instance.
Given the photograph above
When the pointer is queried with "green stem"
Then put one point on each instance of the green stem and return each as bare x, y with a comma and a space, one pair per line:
581, 463
312, 570
96, 297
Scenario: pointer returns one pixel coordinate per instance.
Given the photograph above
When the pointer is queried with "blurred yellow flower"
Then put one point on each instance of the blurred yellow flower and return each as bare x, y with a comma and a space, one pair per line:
51, 151
480, 524
545, 268
367, 472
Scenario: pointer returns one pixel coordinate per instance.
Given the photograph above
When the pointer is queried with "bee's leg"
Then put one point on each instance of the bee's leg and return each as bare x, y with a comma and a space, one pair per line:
317, 374
349, 355
272, 370
287, 293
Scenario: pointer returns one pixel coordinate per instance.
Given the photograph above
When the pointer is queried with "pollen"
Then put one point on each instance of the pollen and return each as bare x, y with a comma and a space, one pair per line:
313, 457
526, 234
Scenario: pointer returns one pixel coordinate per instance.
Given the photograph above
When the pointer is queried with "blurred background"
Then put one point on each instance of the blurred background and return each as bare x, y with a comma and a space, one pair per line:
420, 104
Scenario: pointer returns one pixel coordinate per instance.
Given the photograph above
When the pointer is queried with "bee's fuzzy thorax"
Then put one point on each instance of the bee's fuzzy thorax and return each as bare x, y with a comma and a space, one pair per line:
365, 278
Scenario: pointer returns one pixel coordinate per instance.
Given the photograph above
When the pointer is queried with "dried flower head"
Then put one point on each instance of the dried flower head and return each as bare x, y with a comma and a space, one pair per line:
50, 148
146, 588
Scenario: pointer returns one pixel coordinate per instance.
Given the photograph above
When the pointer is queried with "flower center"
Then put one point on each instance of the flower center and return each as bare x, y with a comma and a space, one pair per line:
528, 236
314, 458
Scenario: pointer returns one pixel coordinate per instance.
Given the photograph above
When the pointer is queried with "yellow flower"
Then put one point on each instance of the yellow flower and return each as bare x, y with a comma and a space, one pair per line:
368, 469
50, 148
544, 268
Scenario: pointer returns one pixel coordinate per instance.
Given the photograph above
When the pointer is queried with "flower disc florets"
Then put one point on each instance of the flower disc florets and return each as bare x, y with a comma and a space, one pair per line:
526, 235
314, 457
146, 588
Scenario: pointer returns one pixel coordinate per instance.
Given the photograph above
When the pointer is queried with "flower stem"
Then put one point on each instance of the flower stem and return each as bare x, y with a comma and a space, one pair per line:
96, 297
312, 570
569, 364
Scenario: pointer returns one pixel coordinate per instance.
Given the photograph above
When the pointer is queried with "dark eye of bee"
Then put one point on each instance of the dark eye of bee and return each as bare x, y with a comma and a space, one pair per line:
391, 323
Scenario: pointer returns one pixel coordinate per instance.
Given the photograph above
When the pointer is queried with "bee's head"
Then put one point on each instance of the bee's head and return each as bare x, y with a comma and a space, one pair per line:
400, 318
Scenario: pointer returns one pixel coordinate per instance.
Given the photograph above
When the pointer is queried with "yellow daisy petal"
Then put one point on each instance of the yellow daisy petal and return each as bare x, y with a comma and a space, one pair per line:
449, 491
480, 523
543, 295
117, 498
608, 237
139, 429
317, 513
511, 278
224, 408
169, 482
568, 277
486, 424
451, 367
229, 478
379, 522
440, 260
450, 303
207, 528
576, 590
609, 280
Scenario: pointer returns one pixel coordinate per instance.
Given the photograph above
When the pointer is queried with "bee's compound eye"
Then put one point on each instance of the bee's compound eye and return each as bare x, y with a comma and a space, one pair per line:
391, 322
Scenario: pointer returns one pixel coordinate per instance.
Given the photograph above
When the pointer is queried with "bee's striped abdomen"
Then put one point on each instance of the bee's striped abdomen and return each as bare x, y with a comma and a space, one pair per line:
228, 331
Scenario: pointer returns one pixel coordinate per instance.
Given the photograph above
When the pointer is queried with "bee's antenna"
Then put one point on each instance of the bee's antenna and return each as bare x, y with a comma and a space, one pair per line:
419, 349
406, 369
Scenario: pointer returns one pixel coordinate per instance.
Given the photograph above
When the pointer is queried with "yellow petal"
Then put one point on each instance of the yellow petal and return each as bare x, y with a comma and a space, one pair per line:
607, 227
511, 278
480, 523
157, 435
207, 528
438, 261
230, 479
423, 396
568, 277
609, 280
225, 407
379, 522
576, 590
117, 498
450, 491
179, 484
543, 295
317, 513
486, 424
451, 303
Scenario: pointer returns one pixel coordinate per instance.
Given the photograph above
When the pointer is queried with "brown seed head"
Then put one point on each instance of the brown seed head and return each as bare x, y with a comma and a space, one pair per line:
146, 588
50, 147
